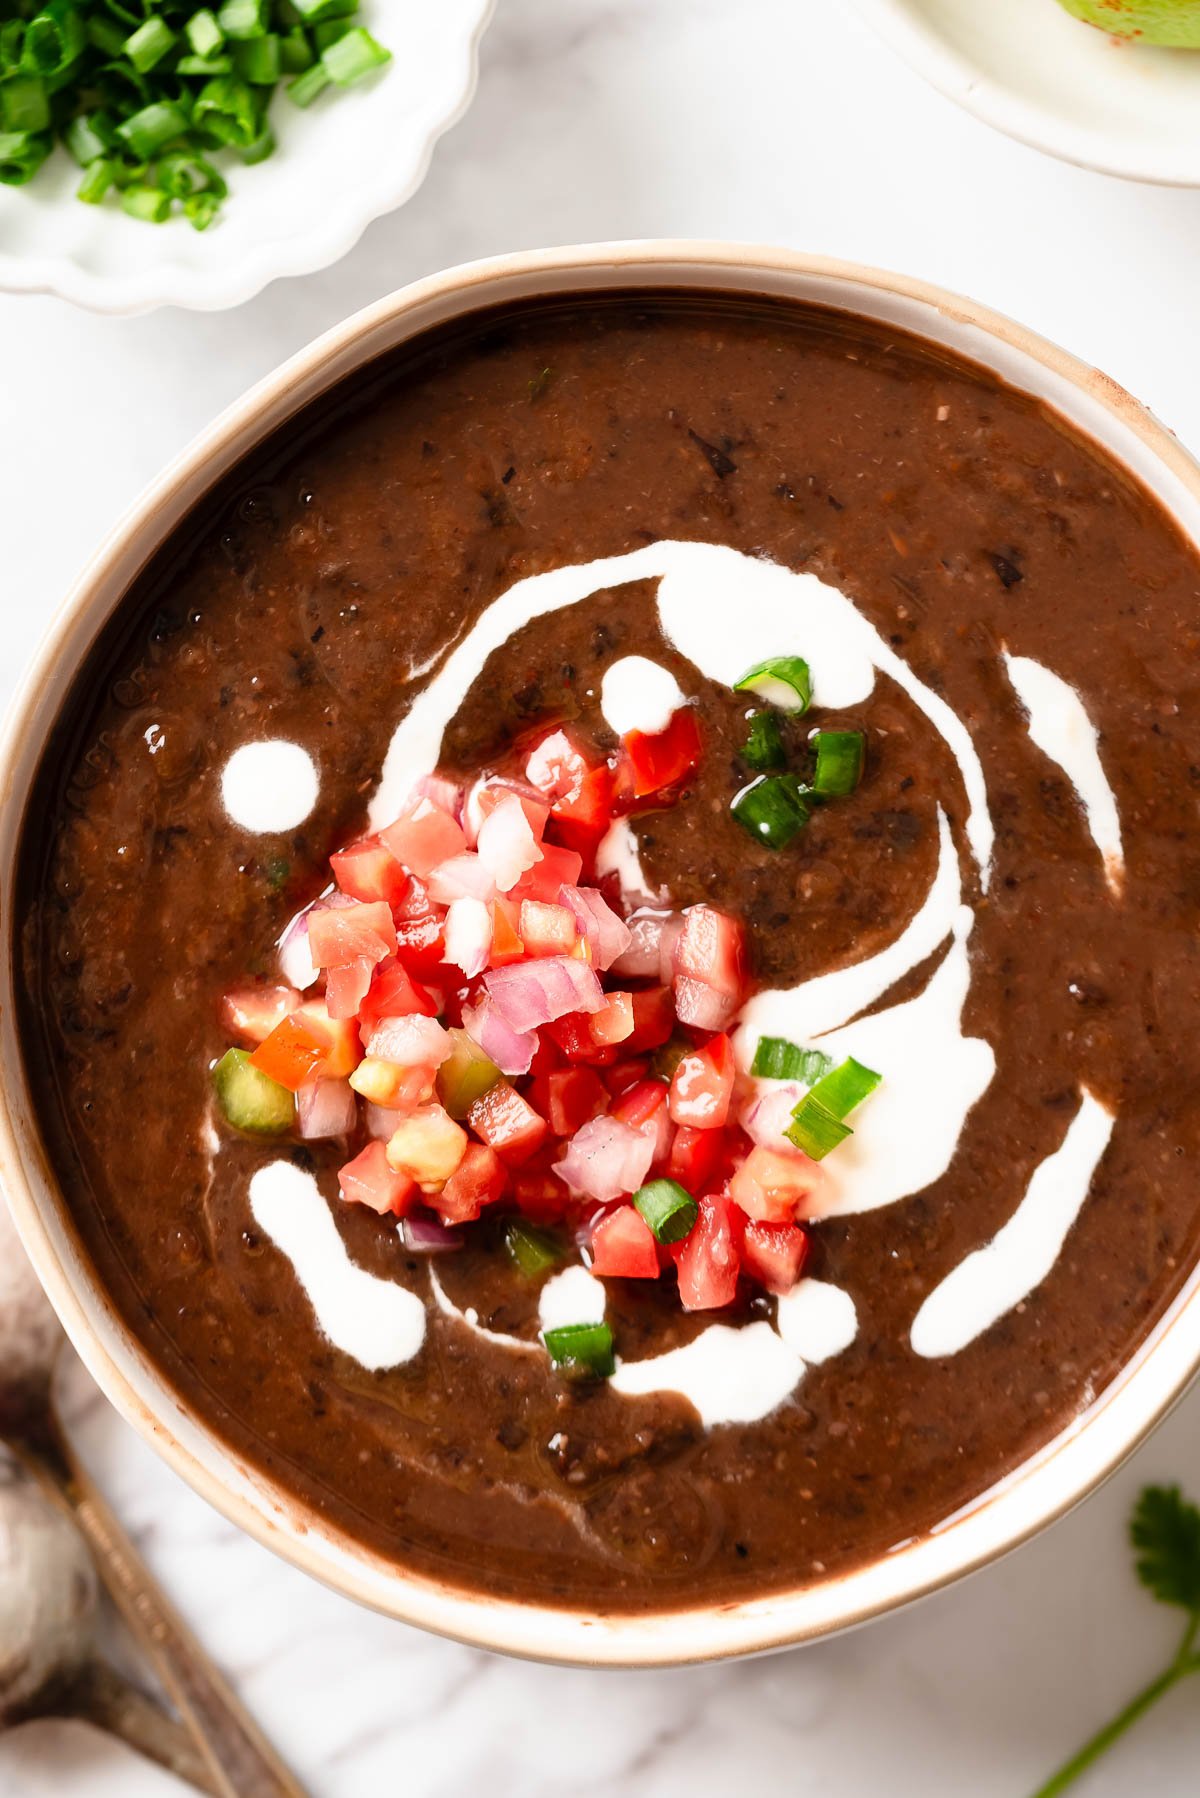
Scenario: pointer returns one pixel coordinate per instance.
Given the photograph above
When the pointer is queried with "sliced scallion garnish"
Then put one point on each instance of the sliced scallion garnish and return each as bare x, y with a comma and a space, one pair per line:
773, 809
764, 748
840, 755
534, 1251
775, 1058
668, 1208
783, 681
845, 1086
816, 1125
581, 1349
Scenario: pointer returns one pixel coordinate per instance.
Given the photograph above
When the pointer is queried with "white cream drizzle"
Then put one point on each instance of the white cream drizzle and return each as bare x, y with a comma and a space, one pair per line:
1060, 727
572, 1297
728, 1375
618, 853
817, 1320
638, 694
269, 786
993, 1279
377, 1322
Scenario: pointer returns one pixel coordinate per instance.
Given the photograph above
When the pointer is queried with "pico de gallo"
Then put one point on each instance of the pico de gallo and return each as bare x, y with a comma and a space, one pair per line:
476, 1008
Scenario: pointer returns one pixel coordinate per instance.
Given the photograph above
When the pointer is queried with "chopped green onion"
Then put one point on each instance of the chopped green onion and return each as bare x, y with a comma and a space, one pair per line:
305, 88
54, 39
12, 43
227, 109
203, 33
764, 745
243, 18
581, 1348
148, 203
664, 1061
533, 1251
354, 56
313, 11
104, 35
149, 44
182, 175
783, 681
24, 103
250, 1100
815, 1130
89, 137
149, 130
329, 31
204, 66
840, 755
257, 60
295, 52
98, 178
845, 1087
22, 154
201, 209
465, 1075
668, 1208
773, 809
775, 1058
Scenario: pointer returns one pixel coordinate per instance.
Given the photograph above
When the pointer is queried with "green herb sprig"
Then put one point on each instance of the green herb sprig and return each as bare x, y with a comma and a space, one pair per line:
1165, 1532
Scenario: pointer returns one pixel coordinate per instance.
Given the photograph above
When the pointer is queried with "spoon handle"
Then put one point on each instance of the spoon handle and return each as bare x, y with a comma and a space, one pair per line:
241, 1760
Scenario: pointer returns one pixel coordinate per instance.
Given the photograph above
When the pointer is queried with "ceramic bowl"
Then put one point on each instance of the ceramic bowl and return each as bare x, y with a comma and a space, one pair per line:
1040, 1490
345, 161
1032, 70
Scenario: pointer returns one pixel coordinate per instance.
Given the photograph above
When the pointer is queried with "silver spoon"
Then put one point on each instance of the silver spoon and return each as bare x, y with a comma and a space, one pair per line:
238, 1759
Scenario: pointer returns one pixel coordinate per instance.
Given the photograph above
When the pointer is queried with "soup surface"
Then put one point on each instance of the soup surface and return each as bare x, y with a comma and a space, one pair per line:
1000, 919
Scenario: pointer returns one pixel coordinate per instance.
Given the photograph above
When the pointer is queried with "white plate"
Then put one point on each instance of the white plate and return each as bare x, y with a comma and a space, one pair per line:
1030, 69
346, 160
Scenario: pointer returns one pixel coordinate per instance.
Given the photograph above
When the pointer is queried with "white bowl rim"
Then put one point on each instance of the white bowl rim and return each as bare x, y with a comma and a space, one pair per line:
917, 40
1042, 1488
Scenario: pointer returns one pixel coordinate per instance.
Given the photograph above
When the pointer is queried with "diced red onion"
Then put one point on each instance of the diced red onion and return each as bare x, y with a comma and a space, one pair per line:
429, 1236
443, 793
701, 1005
475, 810
468, 935
606, 1158
643, 958
671, 933
295, 959
765, 1117
553, 767
532, 993
381, 1123
326, 1108
462, 877
507, 845
410, 1042
511, 1050
607, 935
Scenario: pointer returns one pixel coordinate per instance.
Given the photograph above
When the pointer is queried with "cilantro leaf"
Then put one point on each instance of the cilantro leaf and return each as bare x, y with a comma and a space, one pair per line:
1165, 1531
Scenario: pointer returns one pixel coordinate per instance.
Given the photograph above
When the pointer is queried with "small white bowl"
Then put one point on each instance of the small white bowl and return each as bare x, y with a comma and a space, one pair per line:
341, 163
1030, 69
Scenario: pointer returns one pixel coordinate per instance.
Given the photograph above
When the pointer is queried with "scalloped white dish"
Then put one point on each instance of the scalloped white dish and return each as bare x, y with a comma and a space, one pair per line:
1031, 70
342, 163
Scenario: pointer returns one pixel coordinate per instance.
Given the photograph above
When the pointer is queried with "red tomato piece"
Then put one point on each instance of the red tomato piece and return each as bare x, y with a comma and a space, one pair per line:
774, 1254
252, 1012
623, 1246
546, 929
772, 1186
641, 1103
710, 949
624, 1074
557, 869
370, 1180
394, 993
478, 1180
569, 1098
506, 940
709, 1257
695, 1157
368, 870
540, 1195
507, 1122
613, 1023
572, 1034
292, 1055
653, 1017
665, 759
424, 836
339, 936
488, 795
702, 1086
582, 818
421, 942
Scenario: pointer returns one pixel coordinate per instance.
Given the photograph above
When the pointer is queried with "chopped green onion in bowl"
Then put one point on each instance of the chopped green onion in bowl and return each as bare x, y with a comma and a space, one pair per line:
784, 681
764, 748
840, 757
668, 1208
581, 1349
772, 809
775, 1058
817, 1127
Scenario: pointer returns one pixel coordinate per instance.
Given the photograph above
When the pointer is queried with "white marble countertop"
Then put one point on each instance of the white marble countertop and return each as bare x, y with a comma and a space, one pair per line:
766, 119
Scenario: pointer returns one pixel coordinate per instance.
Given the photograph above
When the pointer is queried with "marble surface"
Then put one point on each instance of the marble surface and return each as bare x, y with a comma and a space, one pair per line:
771, 119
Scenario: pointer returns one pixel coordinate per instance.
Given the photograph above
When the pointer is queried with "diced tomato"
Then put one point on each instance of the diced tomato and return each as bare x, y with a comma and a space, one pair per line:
665, 759
624, 1074
709, 1257
695, 1157
344, 1046
710, 949
368, 870
641, 1103
568, 1098
573, 1036
252, 1012
507, 1122
653, 1017
623, 1246
427, 1145
292, 1055
395, 1088
581, 819
394, 993
423, 836
774, 1254
547, 929
370, 1180
540, 1195
487, 795
613, 1023
478, 1180
702, 1086
545, 1056
773, 1187
506, 940
557, 869
421, 942
340, 935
